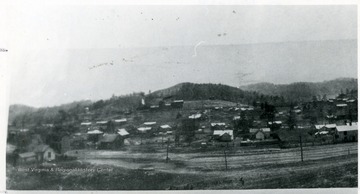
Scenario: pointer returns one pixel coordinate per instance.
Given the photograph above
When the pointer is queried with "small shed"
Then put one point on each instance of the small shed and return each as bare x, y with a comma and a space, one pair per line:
27, 157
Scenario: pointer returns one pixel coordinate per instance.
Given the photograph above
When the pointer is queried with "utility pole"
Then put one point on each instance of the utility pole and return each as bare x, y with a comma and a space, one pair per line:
167, 150
162, 140
226, 167
301, 149
141, 138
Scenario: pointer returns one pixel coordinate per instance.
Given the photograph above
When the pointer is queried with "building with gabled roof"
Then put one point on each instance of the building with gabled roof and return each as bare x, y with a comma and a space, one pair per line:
261, 133
224, 135
111, 141
44, 153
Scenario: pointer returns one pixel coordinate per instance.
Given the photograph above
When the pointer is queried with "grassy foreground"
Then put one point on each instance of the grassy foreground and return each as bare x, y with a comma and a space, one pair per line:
325, 173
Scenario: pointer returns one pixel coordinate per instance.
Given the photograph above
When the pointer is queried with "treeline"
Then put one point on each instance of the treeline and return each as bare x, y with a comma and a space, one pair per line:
117, 105
191, 91
45, 115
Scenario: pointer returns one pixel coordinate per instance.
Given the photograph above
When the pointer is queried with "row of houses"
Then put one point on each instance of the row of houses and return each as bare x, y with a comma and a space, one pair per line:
341, 133
164, 104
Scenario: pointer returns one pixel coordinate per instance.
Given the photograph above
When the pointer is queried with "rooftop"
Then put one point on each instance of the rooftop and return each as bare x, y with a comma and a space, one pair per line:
165, 126
107, 138
217, 124
149, 123
123, 132
144, 128
101, 122
96, 131
120, 120
41, 148
222, 132
195, 116
27, 155
342, 128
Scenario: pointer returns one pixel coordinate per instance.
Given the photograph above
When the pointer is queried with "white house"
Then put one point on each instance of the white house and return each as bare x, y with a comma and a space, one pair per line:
345, 133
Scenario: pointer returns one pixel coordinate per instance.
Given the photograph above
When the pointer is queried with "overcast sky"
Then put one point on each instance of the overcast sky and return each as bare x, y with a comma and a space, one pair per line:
67, 53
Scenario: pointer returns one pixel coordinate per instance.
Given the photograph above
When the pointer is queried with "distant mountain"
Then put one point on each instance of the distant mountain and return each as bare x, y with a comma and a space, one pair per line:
304, 90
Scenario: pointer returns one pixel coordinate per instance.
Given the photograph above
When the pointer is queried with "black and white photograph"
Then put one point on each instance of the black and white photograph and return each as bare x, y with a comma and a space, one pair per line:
129, 97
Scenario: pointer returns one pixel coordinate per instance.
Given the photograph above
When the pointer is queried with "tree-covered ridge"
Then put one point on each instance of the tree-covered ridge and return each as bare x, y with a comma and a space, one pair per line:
305, 90
69, 113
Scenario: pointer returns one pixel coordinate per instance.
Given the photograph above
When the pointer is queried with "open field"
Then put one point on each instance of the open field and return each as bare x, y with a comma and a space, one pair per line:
324, 166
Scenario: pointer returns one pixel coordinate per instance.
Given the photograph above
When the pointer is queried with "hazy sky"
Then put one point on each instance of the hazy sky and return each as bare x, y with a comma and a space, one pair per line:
67, 53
